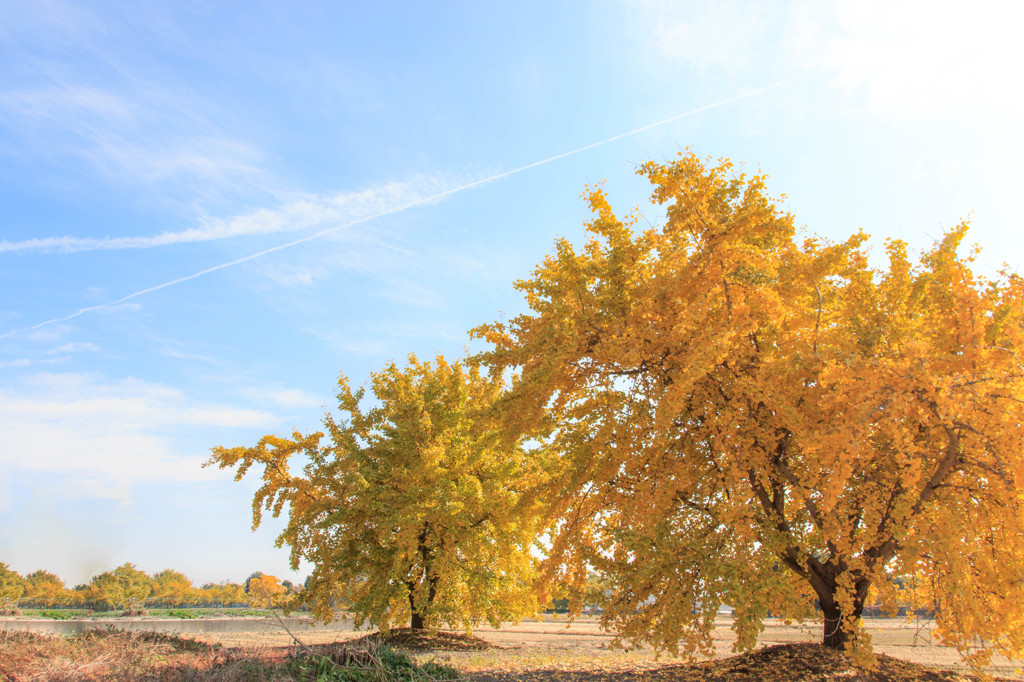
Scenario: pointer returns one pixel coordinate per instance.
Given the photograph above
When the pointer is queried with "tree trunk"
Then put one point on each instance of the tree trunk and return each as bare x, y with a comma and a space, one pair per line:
833, 635
417, 622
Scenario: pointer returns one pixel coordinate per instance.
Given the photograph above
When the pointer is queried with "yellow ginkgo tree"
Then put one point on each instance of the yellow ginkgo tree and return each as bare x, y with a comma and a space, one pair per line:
44, 589
12, 587
412, 510
773, 424
172, 588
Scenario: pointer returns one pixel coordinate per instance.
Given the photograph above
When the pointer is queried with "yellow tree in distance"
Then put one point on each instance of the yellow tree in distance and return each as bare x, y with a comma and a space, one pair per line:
748, 420
265, 590
412, 510
12, 586
46, 589
172, 588
125, 587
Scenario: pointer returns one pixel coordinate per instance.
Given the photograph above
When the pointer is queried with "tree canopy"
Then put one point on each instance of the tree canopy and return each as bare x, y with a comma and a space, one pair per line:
747, 419
45, 588
125, 587
411, 509
12, 586
173, 588
264, 590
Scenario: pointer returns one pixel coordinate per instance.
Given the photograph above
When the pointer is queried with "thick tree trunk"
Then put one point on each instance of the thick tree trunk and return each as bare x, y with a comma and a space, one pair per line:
834, 636
417, 622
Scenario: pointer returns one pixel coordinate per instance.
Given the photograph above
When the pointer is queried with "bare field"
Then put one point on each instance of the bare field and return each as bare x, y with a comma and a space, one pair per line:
582, 646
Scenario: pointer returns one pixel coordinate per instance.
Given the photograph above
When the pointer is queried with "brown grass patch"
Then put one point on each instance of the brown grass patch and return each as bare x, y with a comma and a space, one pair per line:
116, 655
123, 656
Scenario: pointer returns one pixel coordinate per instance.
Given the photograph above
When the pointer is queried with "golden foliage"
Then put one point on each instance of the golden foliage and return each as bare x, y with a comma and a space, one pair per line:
46, 589
172, 588
125, 587
749, 420
265, 591
411, 508
12, 586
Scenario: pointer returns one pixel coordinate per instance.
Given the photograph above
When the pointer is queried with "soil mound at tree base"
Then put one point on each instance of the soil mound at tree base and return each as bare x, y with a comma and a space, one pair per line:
425, 640
801, 662
813, 662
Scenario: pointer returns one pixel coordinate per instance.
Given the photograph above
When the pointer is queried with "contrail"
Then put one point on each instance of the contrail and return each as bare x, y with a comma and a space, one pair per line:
398, 209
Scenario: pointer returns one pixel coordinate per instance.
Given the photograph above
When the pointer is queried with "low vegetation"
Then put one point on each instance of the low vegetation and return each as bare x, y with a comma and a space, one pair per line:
106, 655
408, 655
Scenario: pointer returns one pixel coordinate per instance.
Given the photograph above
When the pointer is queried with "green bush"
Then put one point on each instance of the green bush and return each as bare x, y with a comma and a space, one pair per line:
181, 614
56, 615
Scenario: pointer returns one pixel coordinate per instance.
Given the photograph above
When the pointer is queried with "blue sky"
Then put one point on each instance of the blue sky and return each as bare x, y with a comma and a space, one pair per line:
144, 143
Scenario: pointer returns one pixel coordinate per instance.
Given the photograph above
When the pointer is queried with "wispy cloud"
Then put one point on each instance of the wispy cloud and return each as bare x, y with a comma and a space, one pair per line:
74, 348
57, 355
283, 397
388, 340
709, 37
150, 137
42, 107
114, 433
402, 204
310, 212
78, 95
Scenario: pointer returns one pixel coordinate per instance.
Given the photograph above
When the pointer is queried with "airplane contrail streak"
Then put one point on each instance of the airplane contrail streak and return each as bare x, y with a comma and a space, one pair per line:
398, 209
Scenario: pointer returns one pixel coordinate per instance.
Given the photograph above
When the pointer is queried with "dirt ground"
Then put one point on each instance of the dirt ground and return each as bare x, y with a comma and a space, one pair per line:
581, 645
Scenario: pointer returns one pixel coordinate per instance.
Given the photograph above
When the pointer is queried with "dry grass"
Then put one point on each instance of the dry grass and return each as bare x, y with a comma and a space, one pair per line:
121, 656
537, 651
113, 655
99, 655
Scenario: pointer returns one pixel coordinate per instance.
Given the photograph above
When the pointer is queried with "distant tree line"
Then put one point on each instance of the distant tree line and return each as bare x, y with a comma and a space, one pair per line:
129, 589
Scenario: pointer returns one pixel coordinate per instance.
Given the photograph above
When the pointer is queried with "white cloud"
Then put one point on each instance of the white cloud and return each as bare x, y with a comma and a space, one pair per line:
170, 352
410, 292
913, 59
288, 275
145, 136
120, 308
284, 397
387, 340
899, 60
41, 106
309, 212
74, 347
707, 36
109, 434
